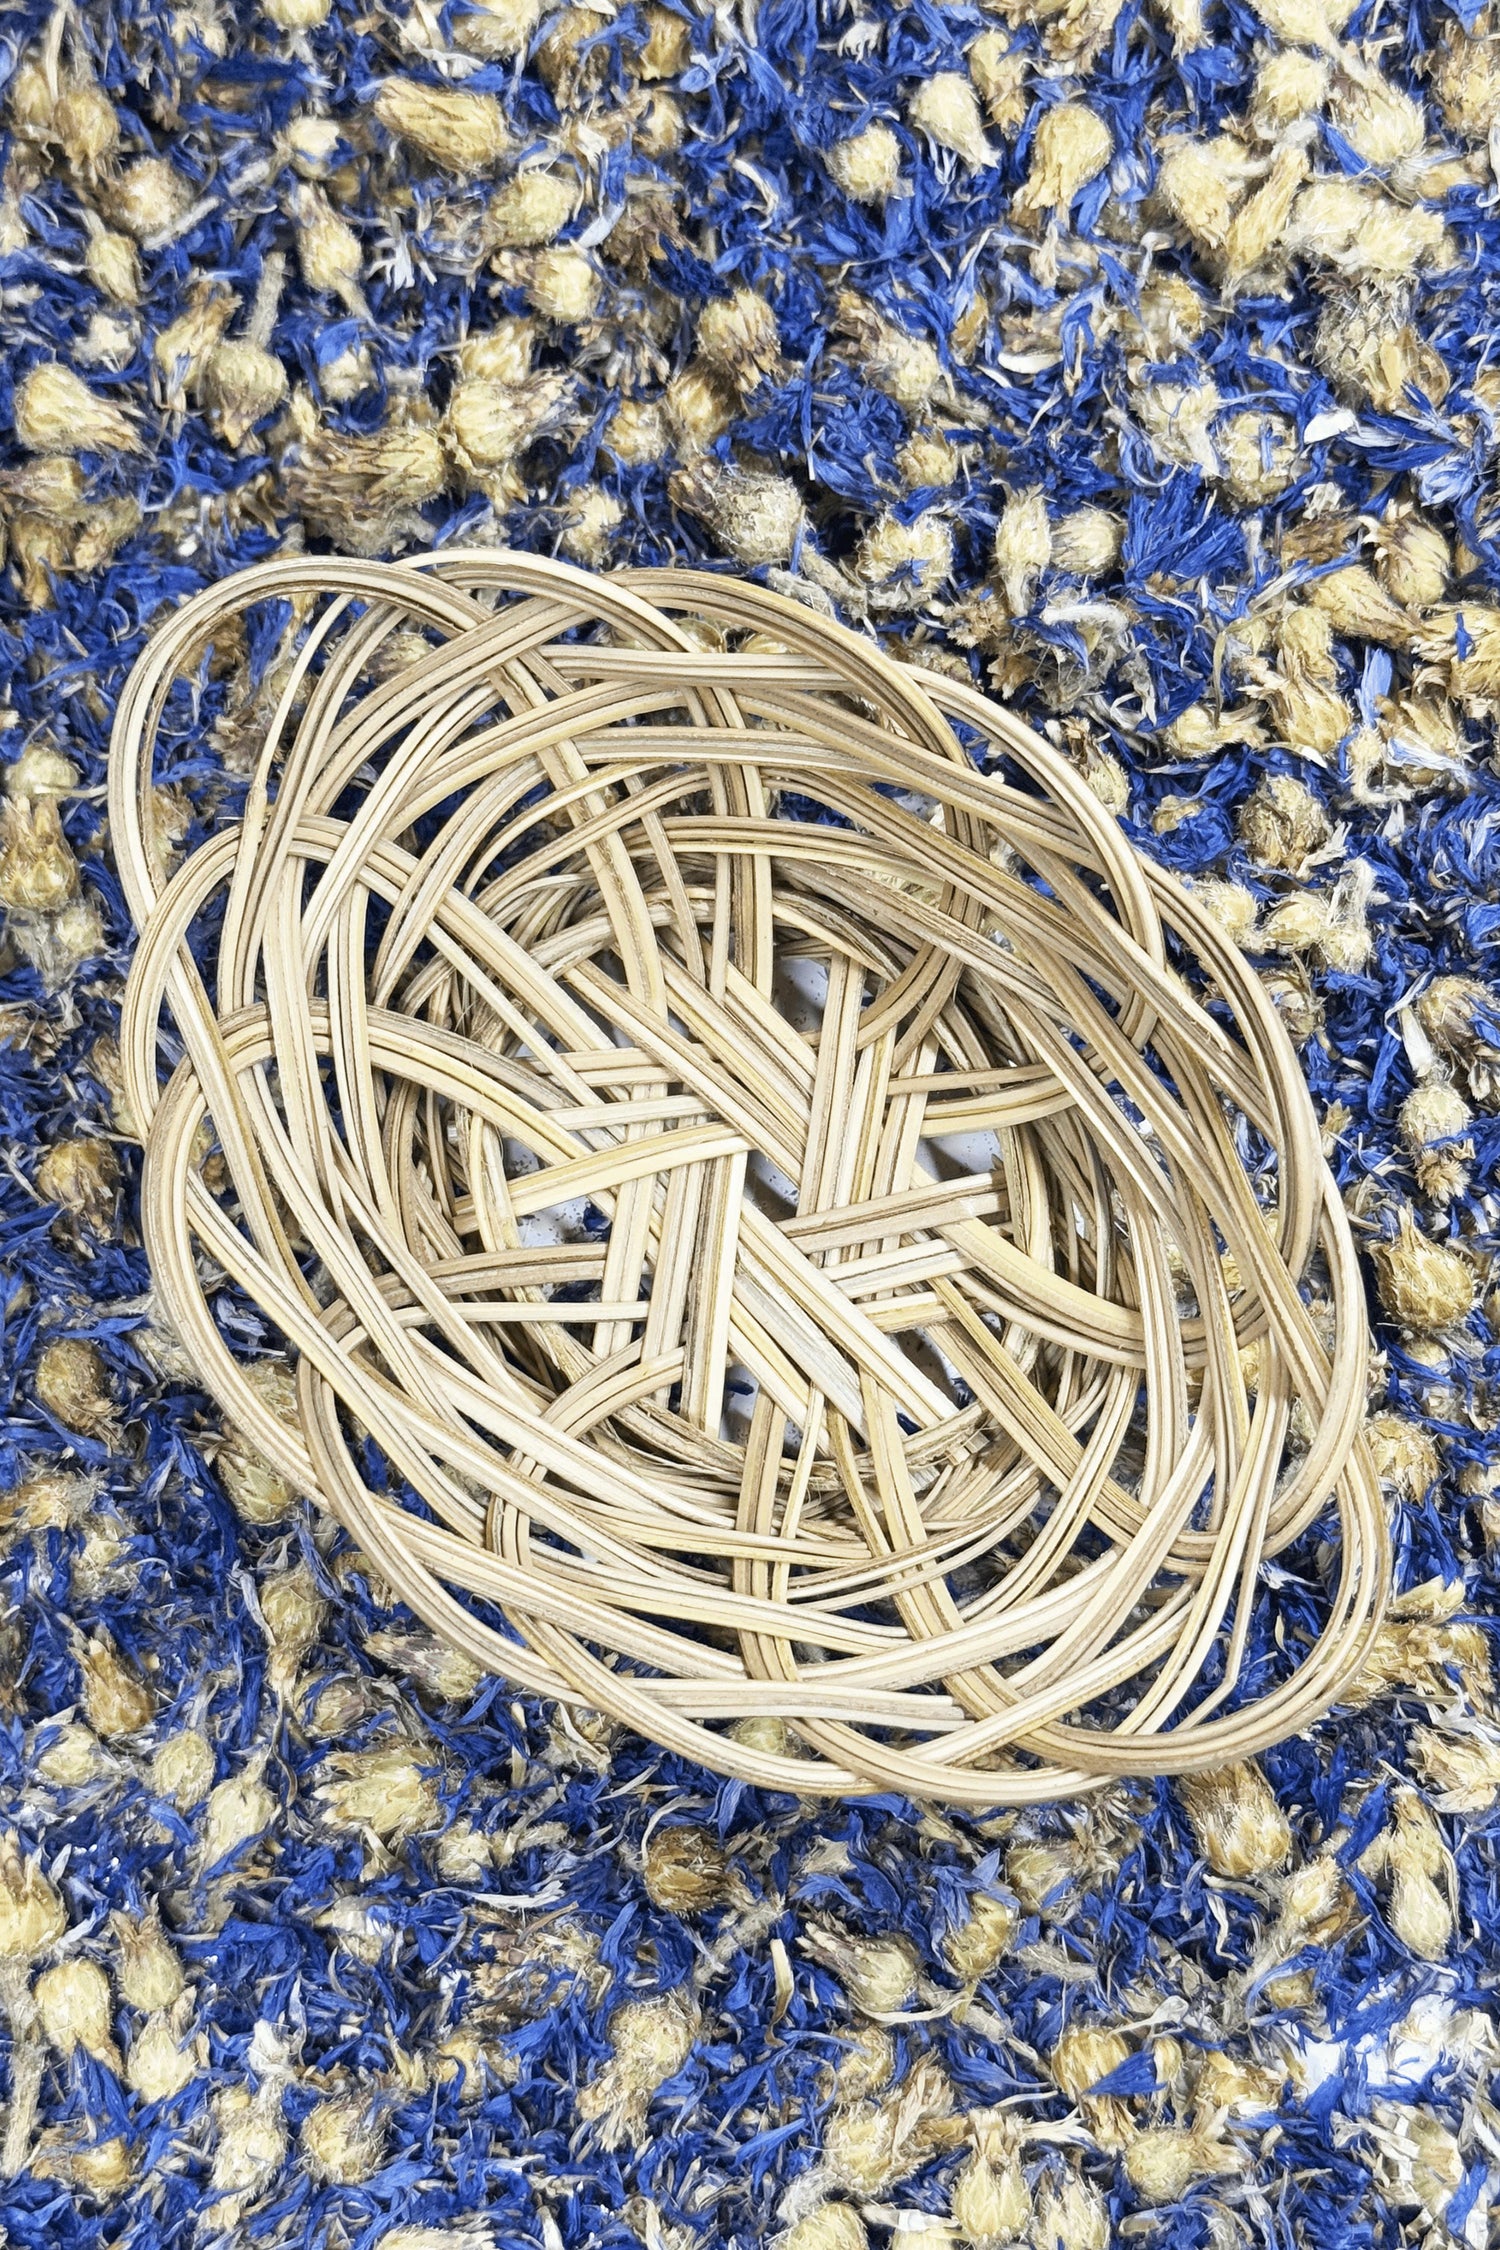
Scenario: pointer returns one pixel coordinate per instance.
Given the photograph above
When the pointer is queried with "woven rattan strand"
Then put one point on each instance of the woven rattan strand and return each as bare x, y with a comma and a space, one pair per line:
817, 1282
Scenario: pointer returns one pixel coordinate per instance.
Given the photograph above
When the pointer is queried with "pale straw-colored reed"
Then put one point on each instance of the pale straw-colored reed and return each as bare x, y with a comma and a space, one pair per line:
790, 1205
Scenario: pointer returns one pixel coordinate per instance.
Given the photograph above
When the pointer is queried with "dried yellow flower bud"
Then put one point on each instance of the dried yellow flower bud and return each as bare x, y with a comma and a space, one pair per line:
1360, 607
590, 519
73, 2000
41, 771
1381, 122
1304, 23
328, 248
1434, 1122
928, 461
669, 45
1463, 1769
738, 337
251, 2134
242, 384
73, 1756
1466, 82
1450, 1011
980, 1944
1422, 1878
293, 1609
1164, 2161
489, 424
991, 2202
1357, 228
662, 127
364, 492
1260, 222
115, 1699
685, 1868
313, 144
31, 1913
41, 551
999, 66
73, 1384
38, 873
867, 2064
113, 266
1072, 2215
651, 2039
57, 945
106, 529
1423, 1285
946, 109
919, 553
258, 1490
384, 1790
1237, 1824
432, 1665
161, 2061
101, 2170
1288, 86
1087, 542
906, 367
1084, 2055
1023, 546
568, 57
871, 2145
183, 1768
1044, 1875
1071, 146
87, 126
879, 1974
498, 29
55, 491
502, 354
463, 132
764, 1733
1199, 184
183, 346
1413, 560
31, 100
1282, 824
343, 2140
563, 286
242, 379
1404, 1455
238, 1810
756, 517
1305, 635
832, 2226
150, 1973
56, 412
149, 198
867, 166
637, 432
700, 406
1370, 349
530, 210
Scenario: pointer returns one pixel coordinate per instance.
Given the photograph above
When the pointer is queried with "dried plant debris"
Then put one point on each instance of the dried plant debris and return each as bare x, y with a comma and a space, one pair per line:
1135, 362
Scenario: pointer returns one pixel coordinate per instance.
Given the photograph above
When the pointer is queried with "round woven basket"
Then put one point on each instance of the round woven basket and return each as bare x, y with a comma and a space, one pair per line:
789, 1231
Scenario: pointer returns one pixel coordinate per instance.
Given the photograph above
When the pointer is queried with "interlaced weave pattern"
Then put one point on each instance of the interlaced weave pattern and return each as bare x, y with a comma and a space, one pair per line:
771, 1245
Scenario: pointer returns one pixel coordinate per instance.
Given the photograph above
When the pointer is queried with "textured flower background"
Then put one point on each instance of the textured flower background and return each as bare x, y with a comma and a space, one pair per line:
1135, 359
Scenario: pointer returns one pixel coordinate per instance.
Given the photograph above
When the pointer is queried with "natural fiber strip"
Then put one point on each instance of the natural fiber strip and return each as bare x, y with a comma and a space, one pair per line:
824, 1239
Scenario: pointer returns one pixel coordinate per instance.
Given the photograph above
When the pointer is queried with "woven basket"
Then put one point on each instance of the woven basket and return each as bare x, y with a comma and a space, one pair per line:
771, 1244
